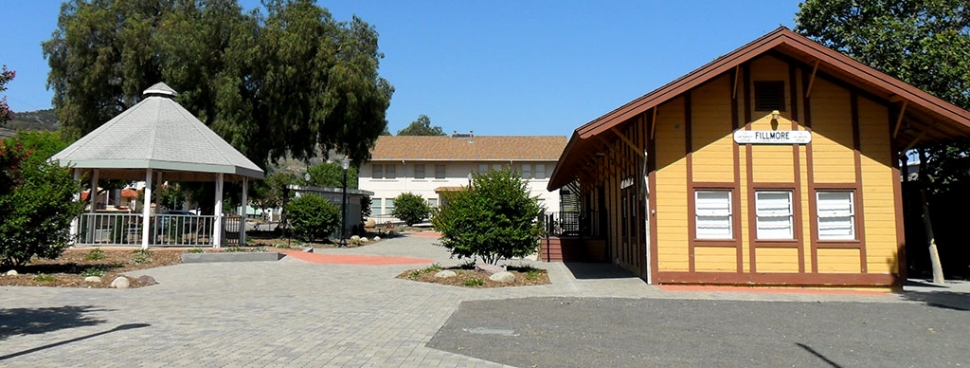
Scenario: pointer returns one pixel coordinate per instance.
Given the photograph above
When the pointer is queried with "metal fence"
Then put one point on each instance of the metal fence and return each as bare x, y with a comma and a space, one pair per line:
573, 224
165, 230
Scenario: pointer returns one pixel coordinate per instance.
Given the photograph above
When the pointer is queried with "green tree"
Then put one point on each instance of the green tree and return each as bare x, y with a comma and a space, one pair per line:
410, 208
36, 204
421, 126
493, 219
925, 43
269, 192
331, 175
271, 84
312, 217
5, 76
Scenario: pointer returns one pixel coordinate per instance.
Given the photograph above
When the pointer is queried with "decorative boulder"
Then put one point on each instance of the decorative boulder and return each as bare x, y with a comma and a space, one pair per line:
445, 274
364, 240
93, 279
488, 269
354, 238
146, 280
370, 223
503, 276
11, 273
377, 238
120, 282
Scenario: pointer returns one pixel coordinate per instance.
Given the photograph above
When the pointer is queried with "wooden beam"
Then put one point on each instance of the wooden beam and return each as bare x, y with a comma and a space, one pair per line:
899, 119
915, 141
737, 75
628, 142
653, 123
811, 80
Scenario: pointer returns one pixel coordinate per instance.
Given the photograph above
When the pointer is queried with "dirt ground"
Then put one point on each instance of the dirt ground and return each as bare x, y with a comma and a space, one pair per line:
70, 269
469, 277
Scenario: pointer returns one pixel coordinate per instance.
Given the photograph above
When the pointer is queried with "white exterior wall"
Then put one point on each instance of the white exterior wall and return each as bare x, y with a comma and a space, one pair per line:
456, 175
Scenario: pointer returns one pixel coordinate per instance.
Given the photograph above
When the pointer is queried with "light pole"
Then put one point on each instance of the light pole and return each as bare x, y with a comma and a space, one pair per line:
345, 163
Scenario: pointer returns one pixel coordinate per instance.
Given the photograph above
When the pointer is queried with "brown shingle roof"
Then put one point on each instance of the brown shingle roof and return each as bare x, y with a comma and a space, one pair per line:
479, 148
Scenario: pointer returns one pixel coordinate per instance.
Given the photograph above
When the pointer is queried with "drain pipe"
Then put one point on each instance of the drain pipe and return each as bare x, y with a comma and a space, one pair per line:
646, 207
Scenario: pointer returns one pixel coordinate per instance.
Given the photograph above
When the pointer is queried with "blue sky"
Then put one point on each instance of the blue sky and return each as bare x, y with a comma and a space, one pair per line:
528, 67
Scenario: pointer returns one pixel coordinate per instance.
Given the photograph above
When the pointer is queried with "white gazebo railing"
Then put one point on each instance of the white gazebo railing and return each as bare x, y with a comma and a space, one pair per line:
126, 229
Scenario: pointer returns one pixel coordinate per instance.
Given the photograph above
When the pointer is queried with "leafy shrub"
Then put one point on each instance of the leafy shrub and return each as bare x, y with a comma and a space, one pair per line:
474, 281
36, 200
493, 219
93, 271
142, 256
312, 217
410, 208
95, 254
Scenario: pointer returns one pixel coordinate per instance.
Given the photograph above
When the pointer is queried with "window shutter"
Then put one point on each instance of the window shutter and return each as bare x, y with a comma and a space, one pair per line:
713, 214
836, 216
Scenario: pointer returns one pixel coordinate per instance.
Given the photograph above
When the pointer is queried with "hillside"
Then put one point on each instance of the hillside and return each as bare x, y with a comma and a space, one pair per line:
30, 120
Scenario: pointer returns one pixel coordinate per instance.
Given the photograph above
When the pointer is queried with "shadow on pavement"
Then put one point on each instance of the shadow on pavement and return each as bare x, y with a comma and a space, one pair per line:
596, 271
76, 339
819, 355
31, 321
940, 299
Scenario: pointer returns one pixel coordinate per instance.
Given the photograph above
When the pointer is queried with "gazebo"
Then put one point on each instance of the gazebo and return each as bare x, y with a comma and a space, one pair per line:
157, 137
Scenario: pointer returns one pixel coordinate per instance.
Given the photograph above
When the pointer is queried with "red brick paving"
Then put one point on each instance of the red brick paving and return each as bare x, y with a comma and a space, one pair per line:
353, 259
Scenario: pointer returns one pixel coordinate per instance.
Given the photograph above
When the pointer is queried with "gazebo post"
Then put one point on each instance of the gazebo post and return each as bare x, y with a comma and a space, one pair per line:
76, 198
146, 210
217, 229
93, 197
243, 212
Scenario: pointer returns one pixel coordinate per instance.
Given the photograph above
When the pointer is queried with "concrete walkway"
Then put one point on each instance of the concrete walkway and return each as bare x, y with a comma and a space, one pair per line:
292, 313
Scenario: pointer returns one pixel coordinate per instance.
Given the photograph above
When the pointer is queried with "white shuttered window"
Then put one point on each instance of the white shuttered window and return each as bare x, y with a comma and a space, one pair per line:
836, 215
773, 209
713, 211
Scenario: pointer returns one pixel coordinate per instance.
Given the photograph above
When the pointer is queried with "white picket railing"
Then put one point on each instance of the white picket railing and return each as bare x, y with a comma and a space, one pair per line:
165, 230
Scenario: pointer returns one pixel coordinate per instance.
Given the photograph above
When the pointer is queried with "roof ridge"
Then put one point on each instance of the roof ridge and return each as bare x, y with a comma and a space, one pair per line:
154, 133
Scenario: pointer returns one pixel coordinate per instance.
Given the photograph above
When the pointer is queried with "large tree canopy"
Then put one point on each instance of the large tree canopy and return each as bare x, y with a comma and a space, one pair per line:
421, 126
284, 82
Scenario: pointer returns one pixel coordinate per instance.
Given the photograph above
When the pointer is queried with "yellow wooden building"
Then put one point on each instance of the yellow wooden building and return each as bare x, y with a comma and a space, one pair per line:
776, 164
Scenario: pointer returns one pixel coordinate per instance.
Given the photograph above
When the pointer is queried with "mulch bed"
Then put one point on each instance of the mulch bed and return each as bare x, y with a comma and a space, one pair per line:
469, 277
70, 268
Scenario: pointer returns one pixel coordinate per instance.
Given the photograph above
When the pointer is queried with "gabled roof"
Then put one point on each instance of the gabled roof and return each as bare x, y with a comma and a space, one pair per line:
160, 134
938, 118
466, 148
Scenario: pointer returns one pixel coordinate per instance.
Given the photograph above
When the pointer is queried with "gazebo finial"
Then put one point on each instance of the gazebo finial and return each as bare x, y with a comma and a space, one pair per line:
160, 89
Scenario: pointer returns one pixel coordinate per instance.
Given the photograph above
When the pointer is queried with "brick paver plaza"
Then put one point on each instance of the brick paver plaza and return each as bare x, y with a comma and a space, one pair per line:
286, 313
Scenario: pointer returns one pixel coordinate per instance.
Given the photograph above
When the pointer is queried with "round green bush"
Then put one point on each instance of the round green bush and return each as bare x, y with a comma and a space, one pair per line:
312, 217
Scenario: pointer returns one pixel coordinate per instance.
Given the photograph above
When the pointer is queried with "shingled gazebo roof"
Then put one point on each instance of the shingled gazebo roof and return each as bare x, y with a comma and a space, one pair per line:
159, 134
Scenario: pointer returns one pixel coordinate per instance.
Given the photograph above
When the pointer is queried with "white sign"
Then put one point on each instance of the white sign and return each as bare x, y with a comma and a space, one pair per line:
773, 136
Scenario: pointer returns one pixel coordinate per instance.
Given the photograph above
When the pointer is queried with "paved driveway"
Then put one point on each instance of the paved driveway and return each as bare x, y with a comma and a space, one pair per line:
294, 313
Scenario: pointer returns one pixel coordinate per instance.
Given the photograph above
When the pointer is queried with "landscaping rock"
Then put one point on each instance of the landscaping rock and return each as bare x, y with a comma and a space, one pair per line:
146, 280
364, 240
355, 238
445, 274
503, 276
370, 223
11, 273
93, 279
488, 269
120, 282
377, 238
